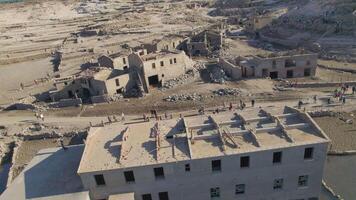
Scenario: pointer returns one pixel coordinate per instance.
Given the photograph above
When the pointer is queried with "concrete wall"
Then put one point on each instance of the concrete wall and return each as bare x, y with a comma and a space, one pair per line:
196, 184
230, 69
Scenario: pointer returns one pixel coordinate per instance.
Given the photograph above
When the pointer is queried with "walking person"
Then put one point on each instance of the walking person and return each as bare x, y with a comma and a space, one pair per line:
122, 116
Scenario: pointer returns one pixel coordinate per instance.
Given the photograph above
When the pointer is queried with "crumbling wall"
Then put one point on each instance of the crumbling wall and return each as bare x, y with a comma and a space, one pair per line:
230, 69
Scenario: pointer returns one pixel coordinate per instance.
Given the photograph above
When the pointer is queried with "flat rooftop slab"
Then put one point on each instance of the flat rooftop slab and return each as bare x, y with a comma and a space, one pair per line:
51, 175
202, 136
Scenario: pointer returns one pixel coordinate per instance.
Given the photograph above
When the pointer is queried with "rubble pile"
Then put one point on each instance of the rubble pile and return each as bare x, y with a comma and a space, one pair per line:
217, 75
185, 78
227, 92
184, 97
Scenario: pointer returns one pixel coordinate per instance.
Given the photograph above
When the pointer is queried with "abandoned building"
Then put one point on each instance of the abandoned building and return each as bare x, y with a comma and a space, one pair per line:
256, 23
259, 153
289, 65
205, 42
115, 61
169, 43
141, 72
157, 67
256, 154
91, 83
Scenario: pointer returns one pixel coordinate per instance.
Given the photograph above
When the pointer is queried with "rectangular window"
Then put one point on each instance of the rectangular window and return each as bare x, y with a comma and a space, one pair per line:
124, 60
117, 82
153, 65
146, 197
277, 157
129, 177
187, 167
170, 61
174, 45
308, 153
99, 179
216, 165
214, 192
303, 181
163, 196
159, 173
240, 189
162, 63
245, 161
175, 60
278, 183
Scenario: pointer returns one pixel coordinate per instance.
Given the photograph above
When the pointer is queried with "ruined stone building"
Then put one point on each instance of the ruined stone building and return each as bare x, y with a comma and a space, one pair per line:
155, 68
288, 65
170, 43
99, 81
115, 61
141, 72
256, 23
205, 42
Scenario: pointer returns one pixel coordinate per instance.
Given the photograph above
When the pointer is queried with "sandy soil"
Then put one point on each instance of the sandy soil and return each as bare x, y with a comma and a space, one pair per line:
342, 135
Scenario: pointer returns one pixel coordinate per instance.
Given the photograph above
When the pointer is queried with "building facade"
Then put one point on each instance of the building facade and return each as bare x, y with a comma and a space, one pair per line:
274, 66
257, 154
155, 68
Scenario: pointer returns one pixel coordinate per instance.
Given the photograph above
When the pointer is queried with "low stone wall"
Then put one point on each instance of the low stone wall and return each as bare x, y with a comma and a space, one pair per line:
322, 113
342, 153
50, 135
100, 99
67, 103
323, 84
288, 43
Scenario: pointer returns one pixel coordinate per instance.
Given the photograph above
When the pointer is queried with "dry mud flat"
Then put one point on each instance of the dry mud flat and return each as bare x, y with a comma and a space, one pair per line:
342, 134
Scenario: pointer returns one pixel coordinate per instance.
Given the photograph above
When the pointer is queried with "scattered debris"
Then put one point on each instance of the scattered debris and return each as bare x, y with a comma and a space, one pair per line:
184, 97
227, 92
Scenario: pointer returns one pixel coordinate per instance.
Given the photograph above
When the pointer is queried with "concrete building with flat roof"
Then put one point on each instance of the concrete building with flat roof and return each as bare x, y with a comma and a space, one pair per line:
258, 153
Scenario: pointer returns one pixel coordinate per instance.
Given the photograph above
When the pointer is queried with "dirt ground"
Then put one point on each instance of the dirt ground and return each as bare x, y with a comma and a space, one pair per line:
342, 134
